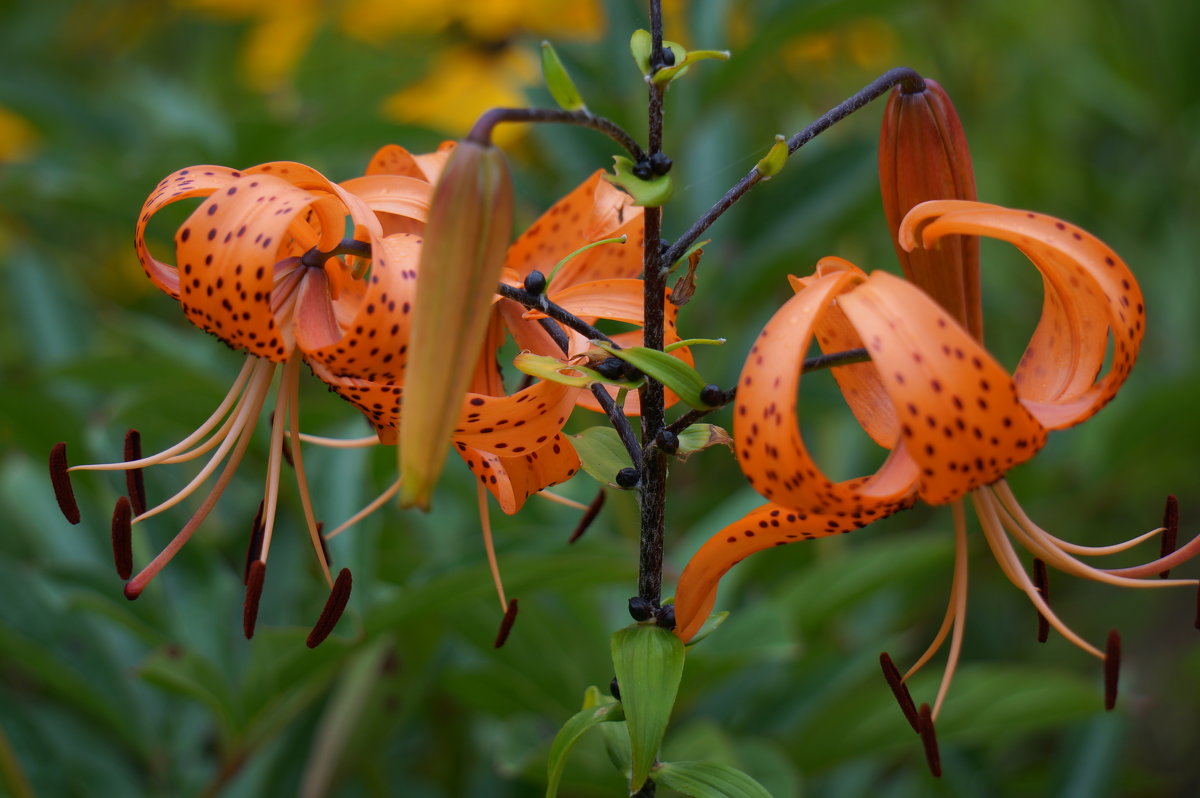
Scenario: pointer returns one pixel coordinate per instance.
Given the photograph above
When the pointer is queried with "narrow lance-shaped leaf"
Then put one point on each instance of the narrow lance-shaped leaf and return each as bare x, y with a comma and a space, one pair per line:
595, 711
470, 220
670, 371
559, 82
649, 665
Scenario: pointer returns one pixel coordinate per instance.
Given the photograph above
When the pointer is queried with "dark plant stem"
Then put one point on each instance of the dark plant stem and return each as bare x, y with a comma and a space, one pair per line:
482, 131
620, 423
911, 82
818, 363
541, 303
654, 462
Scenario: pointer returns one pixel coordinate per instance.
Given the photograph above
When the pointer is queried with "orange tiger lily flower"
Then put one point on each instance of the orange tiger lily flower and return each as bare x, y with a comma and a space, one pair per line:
953, 418
262, 266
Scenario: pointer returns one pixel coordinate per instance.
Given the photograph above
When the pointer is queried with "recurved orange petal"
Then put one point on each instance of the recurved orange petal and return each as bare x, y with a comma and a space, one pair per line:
770, 448
513, 479
195, 181
763, 528
376, 321
1091, 293
960, 418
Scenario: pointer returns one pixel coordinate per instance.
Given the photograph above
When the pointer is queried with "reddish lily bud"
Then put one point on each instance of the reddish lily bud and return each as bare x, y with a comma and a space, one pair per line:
923, 156
470, 221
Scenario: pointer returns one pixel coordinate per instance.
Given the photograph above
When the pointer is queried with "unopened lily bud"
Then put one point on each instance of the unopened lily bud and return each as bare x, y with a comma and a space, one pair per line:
467, 236
923, 156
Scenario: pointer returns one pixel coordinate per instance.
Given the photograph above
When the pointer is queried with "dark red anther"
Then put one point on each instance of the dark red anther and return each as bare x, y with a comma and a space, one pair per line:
61, 481
254, 550
1042, 583
1112, 668
335, 605
135, 484
589, 516
899, 690
929, 740
506, 623
122, 538
254, 588
1170, 535
253, 593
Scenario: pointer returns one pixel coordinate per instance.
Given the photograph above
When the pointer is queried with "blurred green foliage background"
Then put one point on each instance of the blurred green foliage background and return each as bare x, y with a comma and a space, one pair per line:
1087, 110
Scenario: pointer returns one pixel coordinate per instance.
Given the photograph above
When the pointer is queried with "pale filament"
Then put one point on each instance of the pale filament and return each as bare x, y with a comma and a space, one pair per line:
563, 500
274, 458
244, 418
1041, 544
340, 443
290, 385
959, 590
169, 455
486, 522
375, 504
1004, 492
948, 620
1006, 556
245, 433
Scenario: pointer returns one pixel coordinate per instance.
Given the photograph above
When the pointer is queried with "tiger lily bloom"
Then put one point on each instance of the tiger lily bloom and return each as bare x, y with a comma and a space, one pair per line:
514, 443
954, 420
262, 265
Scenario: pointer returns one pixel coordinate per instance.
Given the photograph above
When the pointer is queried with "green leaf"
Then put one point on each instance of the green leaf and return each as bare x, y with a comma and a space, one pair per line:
549, 368
649, 664
670, 371
586, 718
708, 780
559, 82
649, 193
693, 342
640, 45
709, 626
668, 74
601, 453
701, 436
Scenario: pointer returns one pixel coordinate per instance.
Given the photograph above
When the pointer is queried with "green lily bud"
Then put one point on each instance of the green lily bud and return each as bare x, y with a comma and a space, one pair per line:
470, 222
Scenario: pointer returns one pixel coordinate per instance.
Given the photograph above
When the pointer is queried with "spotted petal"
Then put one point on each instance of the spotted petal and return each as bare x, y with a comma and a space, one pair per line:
1090, 293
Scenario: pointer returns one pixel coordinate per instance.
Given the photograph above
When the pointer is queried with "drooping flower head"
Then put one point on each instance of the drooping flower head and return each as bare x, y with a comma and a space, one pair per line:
261, 264
953, 418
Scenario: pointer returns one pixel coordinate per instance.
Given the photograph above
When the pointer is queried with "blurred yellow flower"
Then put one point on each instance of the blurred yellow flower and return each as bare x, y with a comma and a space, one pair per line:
18, 138
476, 80
493, 21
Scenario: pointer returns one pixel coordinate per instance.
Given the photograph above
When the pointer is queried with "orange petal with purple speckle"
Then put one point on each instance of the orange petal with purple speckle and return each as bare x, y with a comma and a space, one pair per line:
515, 424
762, 528
1096, 294
194, 181
960, 418
514, 479
594, 210
770, 448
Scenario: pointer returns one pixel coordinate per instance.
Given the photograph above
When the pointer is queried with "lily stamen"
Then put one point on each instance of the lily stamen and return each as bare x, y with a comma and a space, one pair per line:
1042, 581
371, 507
135, 484
135, 586
122, 538
290, 390
242, 421
331, 613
